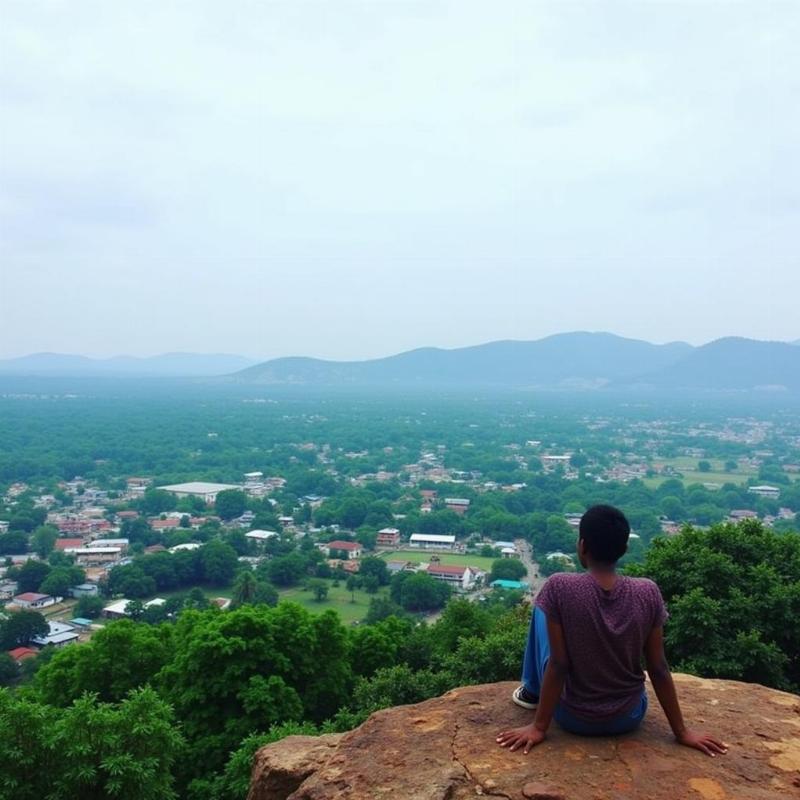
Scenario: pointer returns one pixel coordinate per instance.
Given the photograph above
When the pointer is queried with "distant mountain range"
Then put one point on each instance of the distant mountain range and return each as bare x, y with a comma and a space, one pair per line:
564, 361
165, 365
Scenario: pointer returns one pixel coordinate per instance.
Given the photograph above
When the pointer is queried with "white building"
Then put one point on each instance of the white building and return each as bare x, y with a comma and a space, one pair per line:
432, 541
260, 536
206, 491
59, 634
772, 492
460, 577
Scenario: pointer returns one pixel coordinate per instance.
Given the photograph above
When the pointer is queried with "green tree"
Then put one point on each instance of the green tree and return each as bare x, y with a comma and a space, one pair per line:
157, 501
510, 569
370, 565
61, 579
319, 589
43, 540
89, 607
418, 591
270, 665
9, 669
733, 593
19, 628
245, 588
89, 749
13, 543
122, 656
31, 575
230, 503
219, 562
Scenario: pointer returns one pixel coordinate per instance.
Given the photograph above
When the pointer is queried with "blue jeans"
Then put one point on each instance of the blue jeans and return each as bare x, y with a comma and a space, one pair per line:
537, 654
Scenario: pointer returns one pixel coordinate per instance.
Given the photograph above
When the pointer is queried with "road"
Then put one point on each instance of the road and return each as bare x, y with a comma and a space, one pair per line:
526, 556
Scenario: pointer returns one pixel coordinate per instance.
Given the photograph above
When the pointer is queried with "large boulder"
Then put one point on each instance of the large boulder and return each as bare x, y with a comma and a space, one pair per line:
444, 749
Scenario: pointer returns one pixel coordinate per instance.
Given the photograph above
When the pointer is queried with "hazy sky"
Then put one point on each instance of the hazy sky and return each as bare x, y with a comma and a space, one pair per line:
351, 179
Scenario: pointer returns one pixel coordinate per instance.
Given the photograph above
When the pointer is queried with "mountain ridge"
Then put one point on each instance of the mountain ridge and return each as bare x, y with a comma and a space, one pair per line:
173, 364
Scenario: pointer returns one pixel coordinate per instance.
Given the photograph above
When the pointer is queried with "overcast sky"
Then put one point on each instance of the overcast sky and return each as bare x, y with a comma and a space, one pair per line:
347, 180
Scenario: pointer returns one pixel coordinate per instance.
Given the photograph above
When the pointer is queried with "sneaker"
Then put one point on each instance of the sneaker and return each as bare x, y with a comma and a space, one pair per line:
522, 697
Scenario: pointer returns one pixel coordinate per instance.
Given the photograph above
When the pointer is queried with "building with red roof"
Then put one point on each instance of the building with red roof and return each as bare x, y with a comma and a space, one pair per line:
343, 549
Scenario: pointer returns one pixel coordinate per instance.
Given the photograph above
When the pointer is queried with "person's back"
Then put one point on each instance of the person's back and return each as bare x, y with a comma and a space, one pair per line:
605, 631
588, 634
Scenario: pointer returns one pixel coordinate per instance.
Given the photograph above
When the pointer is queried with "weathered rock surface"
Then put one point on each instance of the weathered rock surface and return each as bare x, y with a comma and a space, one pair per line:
444, 749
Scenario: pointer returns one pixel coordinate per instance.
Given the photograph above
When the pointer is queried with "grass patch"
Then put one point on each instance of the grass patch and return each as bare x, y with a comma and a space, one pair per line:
339, 599
687, 466
452, 559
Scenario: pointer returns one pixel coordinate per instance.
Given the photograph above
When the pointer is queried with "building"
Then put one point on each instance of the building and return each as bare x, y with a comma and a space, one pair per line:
388, 537
34, 600
85, 590
122, 544
771, 492
94, 556
458, 504
8, 589
119, 608
260, 536
68, 543
461, 578
739, 514
432, 541
59, 635
501, 583
204, 490
345, 550
19, 654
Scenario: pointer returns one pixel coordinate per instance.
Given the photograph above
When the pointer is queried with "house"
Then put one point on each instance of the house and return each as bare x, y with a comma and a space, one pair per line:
260, 536
68, 544
388, 537
347, 550
432, 541
94, 556
85, 590
742, 513
772, 492
165, 524
461, 577
8, 589
58, 635
19, 654
122, 544
119, 608
501, 583
458, 504
34, 600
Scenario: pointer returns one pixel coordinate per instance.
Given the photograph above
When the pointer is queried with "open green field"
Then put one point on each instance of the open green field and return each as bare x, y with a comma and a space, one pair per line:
454, 559
687, 466
339, 599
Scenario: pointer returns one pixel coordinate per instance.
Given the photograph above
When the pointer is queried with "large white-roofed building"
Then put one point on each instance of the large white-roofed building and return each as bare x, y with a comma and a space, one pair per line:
432, 541
203, 489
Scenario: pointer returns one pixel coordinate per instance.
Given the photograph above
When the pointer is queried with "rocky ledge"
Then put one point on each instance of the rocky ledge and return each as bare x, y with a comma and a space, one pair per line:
444, 749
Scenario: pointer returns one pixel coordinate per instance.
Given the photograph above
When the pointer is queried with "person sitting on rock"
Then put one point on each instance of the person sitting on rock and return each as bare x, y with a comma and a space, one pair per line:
583, 658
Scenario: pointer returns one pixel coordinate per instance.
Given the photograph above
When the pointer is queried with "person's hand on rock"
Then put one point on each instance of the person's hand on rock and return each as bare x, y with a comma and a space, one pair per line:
527, 736
704, 742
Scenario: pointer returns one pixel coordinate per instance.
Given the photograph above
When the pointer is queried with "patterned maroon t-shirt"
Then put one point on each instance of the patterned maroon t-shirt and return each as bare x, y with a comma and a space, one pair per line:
605, 632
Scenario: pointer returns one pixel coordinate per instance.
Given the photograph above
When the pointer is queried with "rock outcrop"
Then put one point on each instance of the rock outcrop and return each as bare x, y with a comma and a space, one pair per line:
444, 749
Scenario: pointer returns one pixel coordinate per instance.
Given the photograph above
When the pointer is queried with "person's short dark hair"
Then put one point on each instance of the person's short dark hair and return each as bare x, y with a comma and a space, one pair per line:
605, 531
